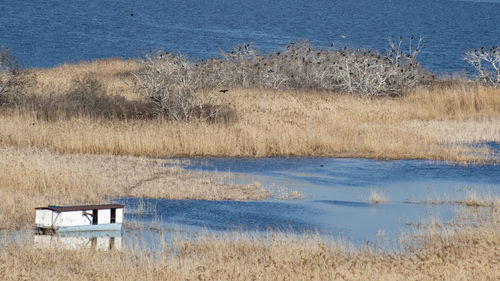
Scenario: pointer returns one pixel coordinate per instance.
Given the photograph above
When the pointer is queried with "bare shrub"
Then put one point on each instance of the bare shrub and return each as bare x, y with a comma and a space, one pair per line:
171, 83
487, 65
87, 96
361, 72
13, 79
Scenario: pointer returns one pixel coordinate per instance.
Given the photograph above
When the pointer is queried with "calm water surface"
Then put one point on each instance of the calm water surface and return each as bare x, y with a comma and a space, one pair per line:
336, 202
47, 33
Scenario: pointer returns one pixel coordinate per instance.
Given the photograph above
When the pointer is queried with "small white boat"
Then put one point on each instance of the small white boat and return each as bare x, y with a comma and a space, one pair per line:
106, 217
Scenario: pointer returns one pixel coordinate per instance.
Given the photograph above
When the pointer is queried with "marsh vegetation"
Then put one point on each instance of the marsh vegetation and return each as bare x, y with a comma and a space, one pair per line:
464, 249
100, 127
292, 103
31, 178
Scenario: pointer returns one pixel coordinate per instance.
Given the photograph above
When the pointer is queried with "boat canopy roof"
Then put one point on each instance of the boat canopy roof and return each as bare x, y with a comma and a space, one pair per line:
80, 207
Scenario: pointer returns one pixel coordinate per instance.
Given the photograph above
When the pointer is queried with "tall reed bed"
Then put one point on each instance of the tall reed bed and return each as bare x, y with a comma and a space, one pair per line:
431, 124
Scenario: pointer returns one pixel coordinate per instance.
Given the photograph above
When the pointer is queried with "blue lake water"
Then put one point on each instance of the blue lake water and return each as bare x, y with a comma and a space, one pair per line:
47, 33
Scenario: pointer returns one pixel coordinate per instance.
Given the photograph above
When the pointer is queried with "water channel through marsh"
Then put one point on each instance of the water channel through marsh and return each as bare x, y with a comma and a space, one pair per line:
336, 199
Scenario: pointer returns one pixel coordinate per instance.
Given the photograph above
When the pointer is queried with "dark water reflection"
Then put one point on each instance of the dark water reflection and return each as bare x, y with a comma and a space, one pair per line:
227, 215
356, 222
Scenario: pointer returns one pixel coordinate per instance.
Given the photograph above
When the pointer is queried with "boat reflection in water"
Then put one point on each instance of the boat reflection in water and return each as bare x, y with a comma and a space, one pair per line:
99, 240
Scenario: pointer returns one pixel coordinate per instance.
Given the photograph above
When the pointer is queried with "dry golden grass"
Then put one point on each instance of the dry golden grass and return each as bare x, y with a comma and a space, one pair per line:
476, 199
428, 124
471, 198
433, 252
112, 72
434, 124
270, 124
31, 178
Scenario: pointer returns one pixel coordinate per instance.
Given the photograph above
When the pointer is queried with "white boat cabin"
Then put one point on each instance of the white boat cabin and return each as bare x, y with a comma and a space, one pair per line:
79, 218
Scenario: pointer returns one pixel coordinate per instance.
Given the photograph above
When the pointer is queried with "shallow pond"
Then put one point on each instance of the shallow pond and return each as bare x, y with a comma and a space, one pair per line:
336, 198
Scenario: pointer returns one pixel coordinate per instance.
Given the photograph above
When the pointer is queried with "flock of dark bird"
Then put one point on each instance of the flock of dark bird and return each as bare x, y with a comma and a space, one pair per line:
300, 65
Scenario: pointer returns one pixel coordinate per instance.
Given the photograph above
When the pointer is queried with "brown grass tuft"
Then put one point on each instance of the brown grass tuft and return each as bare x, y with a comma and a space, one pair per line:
378, 197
